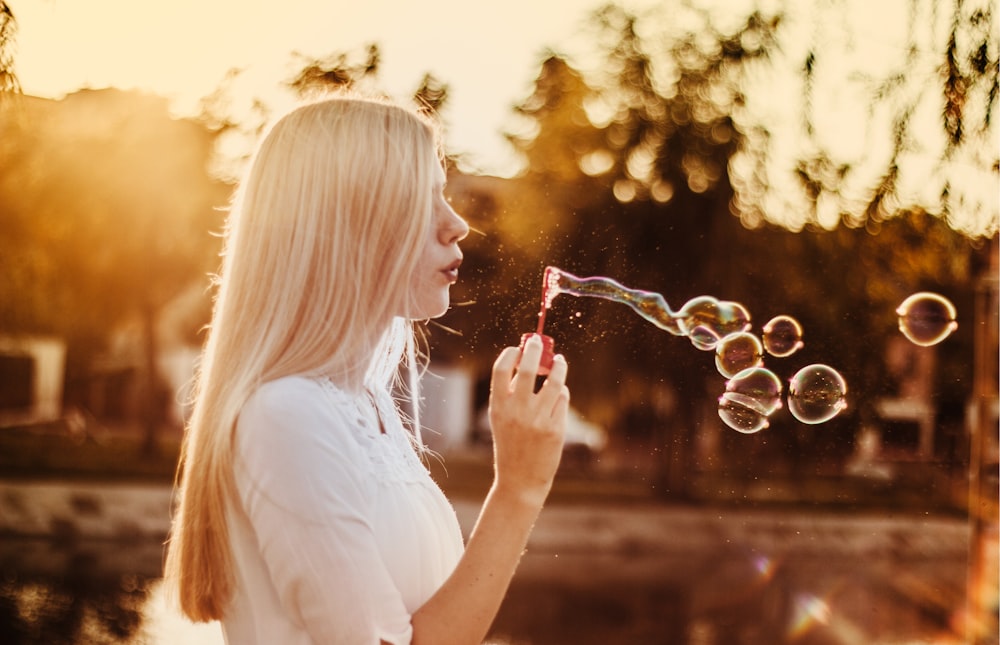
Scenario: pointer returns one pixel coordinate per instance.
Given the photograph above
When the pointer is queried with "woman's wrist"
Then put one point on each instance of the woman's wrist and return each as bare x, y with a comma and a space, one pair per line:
518, 496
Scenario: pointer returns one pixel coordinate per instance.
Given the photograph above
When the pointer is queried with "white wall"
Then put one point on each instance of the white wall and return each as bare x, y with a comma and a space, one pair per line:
446, 411
49, 355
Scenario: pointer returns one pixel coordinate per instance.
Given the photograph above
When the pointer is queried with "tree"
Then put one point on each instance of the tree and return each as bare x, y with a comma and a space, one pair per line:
910, 128
108, 213
334, 72
632, 181
240, 126
8, 31
639, 167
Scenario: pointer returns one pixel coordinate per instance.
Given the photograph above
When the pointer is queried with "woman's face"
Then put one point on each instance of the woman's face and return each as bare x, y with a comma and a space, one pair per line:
437, 268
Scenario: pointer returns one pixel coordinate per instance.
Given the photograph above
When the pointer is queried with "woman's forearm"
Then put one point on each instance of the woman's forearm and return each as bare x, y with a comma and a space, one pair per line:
463, 609
528, 433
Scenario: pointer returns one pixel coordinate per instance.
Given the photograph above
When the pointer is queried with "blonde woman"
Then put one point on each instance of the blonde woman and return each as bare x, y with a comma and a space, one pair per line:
305, 514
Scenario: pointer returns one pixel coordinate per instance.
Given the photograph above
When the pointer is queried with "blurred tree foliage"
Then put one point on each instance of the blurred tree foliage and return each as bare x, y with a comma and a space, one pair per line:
110, 208
108, 213
8, 31
697, 156
879, 113
241, 122
337, 72
629, 174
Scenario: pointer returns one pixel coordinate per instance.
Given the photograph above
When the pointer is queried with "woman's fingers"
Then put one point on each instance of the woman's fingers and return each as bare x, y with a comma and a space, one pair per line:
503, 368
512, 388
527, 368
554, 395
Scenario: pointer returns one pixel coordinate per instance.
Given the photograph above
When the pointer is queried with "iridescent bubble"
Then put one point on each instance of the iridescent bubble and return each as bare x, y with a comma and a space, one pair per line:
926, 318
782, 336
750, 398
703, 337
732, 317
741, 413
703, 312
705, 320
760, 385
737, 352
816, 394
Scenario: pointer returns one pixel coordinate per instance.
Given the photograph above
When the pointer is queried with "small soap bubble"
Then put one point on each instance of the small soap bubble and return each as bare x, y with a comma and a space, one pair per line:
741, 413
703, 338
732, 317
782, 336
760, 385
736, 352
926, 318
705, 320
700, 311
816, 394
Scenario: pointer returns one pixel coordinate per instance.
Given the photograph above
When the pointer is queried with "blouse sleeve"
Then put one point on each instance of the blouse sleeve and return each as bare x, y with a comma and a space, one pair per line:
303, 486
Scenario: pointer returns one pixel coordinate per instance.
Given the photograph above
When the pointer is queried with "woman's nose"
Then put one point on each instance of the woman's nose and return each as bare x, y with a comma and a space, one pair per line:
455, 229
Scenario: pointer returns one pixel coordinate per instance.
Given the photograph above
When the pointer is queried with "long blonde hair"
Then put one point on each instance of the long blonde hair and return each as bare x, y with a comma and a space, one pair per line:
324, 233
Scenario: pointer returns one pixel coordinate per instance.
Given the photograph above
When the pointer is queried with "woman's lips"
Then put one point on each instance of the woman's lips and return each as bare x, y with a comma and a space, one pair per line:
451, 271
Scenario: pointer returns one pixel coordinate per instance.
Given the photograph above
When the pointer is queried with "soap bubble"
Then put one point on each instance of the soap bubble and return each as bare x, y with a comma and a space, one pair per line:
732, 317
760, 385
697, 320
750, 398
737, 352
703, 337
782, 336
741, 413
926, 318
816, 394
705, 320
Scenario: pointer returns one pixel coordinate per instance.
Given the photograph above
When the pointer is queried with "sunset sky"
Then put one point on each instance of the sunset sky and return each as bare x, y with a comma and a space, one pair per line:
488, 52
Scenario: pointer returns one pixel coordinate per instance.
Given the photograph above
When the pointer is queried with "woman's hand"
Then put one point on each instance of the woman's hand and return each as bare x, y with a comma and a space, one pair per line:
528, 432
528, 427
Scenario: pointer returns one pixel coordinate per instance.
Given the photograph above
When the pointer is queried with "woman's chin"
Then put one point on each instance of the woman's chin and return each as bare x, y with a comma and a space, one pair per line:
428, 310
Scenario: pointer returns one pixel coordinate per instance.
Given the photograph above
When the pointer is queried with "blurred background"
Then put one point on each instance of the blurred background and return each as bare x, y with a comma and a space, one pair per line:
820, 160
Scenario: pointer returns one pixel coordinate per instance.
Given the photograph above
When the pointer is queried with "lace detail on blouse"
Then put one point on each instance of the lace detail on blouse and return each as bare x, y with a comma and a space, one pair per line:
391, 455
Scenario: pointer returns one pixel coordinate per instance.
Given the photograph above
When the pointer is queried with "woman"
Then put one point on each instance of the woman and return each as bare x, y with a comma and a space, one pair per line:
305, 514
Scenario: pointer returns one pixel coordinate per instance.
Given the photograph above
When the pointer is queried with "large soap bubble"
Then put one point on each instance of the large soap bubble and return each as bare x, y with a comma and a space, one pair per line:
750, 398
816, 394
926, 318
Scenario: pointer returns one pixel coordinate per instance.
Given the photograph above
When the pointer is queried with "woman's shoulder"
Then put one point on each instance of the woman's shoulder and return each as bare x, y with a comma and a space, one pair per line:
297, 401
296, 414
282, 390
293, 393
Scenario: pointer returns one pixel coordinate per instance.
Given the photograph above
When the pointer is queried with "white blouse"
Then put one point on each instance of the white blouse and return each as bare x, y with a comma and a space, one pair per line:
342, 533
